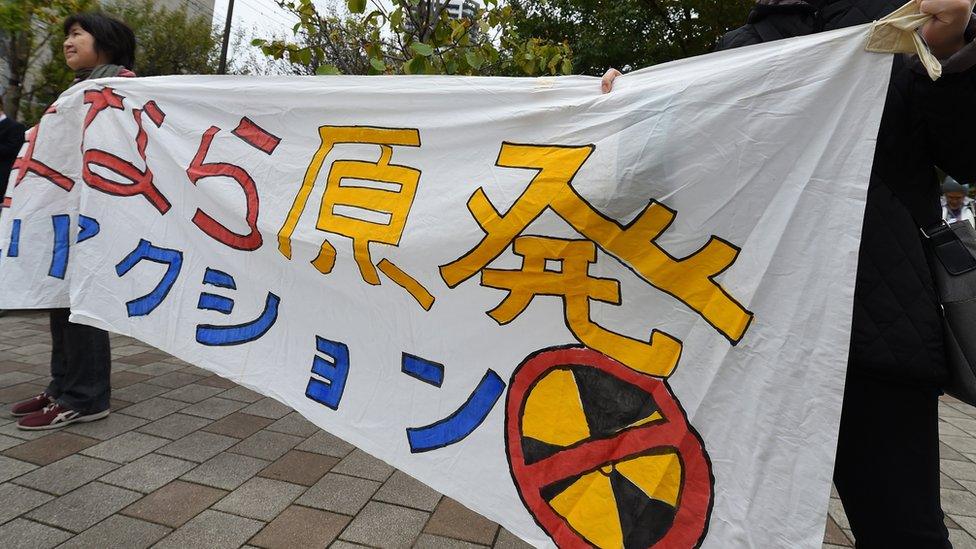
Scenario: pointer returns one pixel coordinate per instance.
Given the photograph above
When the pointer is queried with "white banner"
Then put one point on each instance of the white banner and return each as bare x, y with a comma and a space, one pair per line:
619, 320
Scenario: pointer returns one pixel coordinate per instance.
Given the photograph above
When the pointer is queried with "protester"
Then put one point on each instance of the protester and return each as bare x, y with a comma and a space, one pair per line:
957, 205
11, 139
887, 469
95, 46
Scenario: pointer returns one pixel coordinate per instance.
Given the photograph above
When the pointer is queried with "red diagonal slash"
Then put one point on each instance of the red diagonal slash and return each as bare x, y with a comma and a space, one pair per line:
674, 433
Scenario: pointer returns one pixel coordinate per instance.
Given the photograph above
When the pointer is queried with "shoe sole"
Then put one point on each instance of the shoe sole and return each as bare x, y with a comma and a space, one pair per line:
79, 419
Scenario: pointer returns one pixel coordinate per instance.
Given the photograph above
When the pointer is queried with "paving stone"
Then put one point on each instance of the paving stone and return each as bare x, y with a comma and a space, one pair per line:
65, 475
198, 446
833, 534
326, 443
266, 445
148, 473
157, 369
212, 529
340, 544
175, 426
155, 408
124, 379
147, 357
118, 531
14, 378
33, 349
193, 393
297, 467
964, 423
968, 485
214, 408
961, 540
27, 533
17, 500
195, 370
16, 393
508, 540
339, 494
130, 350
958, 470
13, 468
174, 504
361, 464
294, 424
226, 471
242, 394
139, 392
836, 511
453, 520
946, 482
9, 442
946, 452
260, 498
11, 430
429, 541
402, 489
301, 527
125, 447
238, 425
174, 380
104, 429
268, 407
84, 507
957, 502
217, 381
50, 448
966, 523
948, 429
965, 444
384, 525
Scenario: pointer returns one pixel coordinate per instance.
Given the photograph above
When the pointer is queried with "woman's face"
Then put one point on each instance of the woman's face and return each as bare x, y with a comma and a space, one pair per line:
79, 49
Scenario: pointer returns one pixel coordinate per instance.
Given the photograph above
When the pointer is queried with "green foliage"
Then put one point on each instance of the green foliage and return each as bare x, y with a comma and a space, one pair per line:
168, 42
29, 31
635, 33
415, 37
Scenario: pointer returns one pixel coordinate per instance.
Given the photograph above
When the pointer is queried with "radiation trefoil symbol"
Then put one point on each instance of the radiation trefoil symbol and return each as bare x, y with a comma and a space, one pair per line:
603, 455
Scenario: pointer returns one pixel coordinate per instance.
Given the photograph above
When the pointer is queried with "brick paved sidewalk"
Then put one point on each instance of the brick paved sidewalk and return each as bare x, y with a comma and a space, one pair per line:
188, 459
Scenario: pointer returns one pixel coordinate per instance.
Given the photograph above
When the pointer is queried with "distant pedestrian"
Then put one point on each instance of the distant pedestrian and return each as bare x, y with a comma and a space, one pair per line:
958, 206
95, 46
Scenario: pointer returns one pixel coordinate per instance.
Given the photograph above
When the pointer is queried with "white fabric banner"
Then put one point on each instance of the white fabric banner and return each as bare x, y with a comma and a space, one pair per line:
619, 320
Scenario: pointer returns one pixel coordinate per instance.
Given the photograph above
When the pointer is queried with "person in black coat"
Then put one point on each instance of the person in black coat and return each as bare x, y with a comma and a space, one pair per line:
11, 139
887, 468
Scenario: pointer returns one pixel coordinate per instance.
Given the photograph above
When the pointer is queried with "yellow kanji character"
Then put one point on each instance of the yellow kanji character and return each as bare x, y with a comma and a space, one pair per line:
575, 285
690, 280
392, 204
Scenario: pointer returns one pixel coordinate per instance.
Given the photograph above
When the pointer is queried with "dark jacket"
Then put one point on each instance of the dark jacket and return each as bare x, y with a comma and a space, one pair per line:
11, 139
897, 328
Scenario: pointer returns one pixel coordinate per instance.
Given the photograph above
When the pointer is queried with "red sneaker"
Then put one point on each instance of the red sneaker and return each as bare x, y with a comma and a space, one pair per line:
31, 405
56, 416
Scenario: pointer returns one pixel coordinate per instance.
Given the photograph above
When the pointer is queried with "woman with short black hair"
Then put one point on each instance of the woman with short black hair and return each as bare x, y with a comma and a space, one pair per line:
95, 46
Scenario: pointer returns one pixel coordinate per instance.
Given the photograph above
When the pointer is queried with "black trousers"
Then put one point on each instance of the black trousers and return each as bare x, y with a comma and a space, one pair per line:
81, 365
887, 471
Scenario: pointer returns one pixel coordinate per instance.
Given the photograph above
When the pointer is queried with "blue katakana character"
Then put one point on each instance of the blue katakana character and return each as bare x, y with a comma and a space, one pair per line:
235, 334
464, 420
14, 249
328, 390
173, 259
